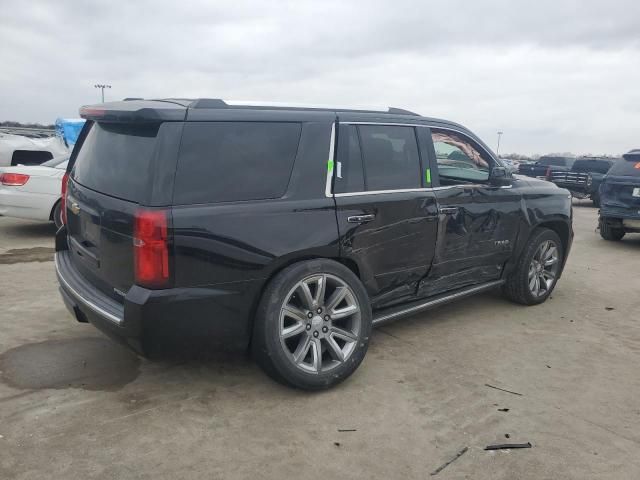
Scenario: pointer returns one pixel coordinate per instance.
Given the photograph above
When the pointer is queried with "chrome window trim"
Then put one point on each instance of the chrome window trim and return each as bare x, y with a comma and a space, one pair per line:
331, 161
329, 193
80, 298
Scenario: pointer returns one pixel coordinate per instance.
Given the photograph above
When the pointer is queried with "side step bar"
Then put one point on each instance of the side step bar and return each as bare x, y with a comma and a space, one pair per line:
393, 313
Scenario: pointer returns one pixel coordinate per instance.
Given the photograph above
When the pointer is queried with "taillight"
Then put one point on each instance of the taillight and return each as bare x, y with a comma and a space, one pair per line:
548, 174
150, 248
13, 179
63, 197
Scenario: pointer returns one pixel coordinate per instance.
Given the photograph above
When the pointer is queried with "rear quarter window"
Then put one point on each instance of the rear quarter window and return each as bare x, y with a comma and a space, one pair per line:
115, 159
234, 161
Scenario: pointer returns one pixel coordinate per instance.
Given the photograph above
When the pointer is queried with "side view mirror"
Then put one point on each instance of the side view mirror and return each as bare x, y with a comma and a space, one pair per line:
500, 177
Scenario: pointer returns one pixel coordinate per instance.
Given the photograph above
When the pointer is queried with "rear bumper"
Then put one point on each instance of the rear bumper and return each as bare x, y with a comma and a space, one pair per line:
149, 320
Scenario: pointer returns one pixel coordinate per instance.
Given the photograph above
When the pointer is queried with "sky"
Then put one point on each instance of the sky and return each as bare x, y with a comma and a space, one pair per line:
554, 76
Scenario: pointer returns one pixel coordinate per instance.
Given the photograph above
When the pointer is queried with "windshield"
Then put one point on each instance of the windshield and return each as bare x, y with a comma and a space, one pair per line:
55, 162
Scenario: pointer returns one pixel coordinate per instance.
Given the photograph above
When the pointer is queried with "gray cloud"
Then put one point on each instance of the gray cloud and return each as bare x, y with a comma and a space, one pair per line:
554, 76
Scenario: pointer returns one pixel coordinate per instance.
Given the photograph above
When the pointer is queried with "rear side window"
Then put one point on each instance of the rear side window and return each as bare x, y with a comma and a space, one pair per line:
390, 154
626, 167
232, 161
115, 159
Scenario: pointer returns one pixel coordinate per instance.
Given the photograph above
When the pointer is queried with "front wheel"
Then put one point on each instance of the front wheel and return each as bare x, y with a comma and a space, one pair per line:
313, 325
537, 270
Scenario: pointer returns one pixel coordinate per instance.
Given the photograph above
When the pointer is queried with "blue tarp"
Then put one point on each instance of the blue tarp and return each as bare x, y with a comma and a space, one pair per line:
68, 130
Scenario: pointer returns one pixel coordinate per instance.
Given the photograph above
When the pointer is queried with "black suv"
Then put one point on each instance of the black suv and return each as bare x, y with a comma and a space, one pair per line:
584, 178
620, 194
292, 230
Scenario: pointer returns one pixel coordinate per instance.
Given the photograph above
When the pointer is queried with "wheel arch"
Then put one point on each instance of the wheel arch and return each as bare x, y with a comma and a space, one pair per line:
349, 263
53, 208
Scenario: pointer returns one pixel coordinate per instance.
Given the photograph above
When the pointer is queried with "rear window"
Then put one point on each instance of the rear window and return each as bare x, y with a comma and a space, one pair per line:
30, 157
594, 166
555, 161
232, 161
116, 158
628, 167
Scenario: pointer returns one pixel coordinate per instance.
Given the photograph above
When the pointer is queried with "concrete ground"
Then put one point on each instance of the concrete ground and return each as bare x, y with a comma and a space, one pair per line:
74, 405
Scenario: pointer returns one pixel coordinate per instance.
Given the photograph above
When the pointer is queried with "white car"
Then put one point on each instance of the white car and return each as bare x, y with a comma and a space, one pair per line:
33, 192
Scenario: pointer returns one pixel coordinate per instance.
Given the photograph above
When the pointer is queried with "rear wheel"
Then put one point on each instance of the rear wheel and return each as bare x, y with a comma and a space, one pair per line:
609, 232
537, 270
57, 215
313, 325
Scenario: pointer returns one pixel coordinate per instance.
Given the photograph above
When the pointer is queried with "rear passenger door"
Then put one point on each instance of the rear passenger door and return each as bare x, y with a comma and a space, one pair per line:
387, 219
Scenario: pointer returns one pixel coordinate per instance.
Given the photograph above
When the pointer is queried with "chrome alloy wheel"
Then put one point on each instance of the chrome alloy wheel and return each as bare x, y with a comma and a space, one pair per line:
320, 322
543, 269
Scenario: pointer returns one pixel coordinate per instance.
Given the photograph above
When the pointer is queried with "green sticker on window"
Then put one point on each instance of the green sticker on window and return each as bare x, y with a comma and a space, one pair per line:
427, 176
330, 166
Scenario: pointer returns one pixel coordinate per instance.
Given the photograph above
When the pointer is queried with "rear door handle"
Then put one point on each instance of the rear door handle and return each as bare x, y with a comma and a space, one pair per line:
448, 210
361, 218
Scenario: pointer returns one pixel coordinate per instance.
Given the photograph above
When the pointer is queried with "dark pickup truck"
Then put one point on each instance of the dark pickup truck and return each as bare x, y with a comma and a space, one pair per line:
584, 178
543, 167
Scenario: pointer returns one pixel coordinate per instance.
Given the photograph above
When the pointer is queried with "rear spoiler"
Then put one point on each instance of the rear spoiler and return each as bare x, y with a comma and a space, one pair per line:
134, 111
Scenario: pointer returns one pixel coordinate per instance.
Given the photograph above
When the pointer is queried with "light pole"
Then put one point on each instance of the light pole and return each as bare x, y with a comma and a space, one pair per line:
498, 149
102, 86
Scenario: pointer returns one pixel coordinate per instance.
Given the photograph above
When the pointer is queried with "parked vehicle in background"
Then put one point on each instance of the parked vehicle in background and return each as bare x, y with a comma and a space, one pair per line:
509, 165
292, 229
543, 167
33, 192
620, 198
584, 178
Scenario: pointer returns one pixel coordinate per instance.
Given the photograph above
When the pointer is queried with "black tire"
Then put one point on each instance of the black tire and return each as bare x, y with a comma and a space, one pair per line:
56, 216
269, 350
595, 198
517, 287
610, 233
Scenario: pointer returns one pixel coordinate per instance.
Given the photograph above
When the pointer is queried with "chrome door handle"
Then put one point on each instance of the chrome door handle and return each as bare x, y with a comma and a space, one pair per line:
448, 210
361, 218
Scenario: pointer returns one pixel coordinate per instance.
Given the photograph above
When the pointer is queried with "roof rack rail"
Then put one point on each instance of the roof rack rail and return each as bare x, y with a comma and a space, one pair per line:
220, 103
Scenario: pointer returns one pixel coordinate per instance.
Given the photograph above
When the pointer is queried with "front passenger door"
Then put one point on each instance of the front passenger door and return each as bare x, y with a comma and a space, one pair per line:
478, 222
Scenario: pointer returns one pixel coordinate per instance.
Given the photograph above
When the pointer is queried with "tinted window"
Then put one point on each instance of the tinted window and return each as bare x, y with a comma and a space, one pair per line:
595, 166
391, 158
556, 161
30, 157
349, 173
231, 161
116, 159
459, 160
629, 167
